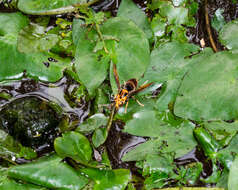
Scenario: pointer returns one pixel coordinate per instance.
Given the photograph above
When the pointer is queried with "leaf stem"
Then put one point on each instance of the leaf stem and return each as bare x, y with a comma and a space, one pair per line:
208, 27
109, 123
101, 37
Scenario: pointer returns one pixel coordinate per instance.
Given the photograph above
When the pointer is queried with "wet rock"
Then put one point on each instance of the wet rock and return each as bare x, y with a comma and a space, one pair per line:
30, 120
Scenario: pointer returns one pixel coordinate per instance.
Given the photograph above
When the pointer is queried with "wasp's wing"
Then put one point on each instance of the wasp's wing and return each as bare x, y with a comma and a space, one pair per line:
116, 77
140, 88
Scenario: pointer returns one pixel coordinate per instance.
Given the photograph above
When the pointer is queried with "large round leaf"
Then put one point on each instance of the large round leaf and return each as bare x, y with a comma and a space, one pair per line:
132, 50
127, 46
169, 64
49, 172
48, 7
91, 70
75, 146
209, 90
14, 63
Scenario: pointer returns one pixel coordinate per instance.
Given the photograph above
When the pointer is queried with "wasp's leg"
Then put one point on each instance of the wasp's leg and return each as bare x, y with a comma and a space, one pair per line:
127, 102
138, 102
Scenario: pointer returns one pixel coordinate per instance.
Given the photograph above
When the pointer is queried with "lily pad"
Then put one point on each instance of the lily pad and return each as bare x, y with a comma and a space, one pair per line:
49, 7
35, 65
209, 90
75, 146
61, 175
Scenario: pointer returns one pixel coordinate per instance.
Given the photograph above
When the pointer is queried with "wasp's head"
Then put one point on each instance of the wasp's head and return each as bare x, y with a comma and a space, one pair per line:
131, 85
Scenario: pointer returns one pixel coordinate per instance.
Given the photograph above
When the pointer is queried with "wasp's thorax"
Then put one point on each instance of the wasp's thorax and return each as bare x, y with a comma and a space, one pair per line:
124, 93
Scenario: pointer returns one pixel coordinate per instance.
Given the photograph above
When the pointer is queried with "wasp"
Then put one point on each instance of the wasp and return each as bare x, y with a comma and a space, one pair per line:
127, 90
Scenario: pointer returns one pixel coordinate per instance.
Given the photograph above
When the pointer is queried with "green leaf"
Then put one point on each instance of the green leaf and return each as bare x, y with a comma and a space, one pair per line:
128, 9
161, 163
158, 169
36, 65
168, 63
226, 155
89, 65
141, 151
75, 146
232, 179
209, 145
12, 23
229, 35
11, 184
218, 20
99, 136
49, 7
11, 149
61, 175
33, 38
77, 30
108, 179
127, 44
222, 131
179, 138
175, 15
178, 2
92, 123
208, 91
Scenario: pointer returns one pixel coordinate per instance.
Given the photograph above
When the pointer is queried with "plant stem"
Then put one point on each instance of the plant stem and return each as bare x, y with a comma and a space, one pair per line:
109, 123
101, 37
208, 27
